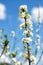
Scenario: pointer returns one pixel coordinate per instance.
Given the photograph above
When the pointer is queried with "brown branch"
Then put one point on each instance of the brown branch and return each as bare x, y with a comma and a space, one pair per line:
27, 44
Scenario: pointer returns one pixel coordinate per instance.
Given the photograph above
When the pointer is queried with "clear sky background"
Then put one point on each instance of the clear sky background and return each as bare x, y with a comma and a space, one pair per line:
9, 24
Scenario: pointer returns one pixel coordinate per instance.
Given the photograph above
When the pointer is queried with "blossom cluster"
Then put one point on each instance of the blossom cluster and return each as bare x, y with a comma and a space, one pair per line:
27, 26
23, 11
27, 32
38, 36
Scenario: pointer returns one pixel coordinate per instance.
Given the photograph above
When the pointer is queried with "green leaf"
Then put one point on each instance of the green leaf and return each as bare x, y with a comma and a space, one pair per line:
6, 42
13, 54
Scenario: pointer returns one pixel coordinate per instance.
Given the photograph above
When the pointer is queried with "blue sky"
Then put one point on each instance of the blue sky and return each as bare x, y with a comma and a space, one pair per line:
12, 9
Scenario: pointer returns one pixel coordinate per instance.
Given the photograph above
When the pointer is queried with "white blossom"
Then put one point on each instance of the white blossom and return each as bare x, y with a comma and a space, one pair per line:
29, 23
23, 11
38, 47
14, 59
38, 36
31, 27
28, 32
31, 34
25, 32
26, 40
23, 15
22, 25
34, 59
37, 42
12, 34
23, 7
28, 16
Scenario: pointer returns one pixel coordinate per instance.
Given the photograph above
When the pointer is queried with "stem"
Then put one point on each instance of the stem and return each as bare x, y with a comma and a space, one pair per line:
27, 44
29, 55
2, 51
29, 62
25, 23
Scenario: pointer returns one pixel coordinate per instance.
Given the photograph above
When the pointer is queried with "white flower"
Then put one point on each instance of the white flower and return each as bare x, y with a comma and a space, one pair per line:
31, 27
38, 36
23, 8
12, 34
28, 33
33, 58
37, 41
29, 23
31, 34
25, 32
28, 16
23, 11
26, 40
23, 14
25, 55
14, 59
38, 47
22, 25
